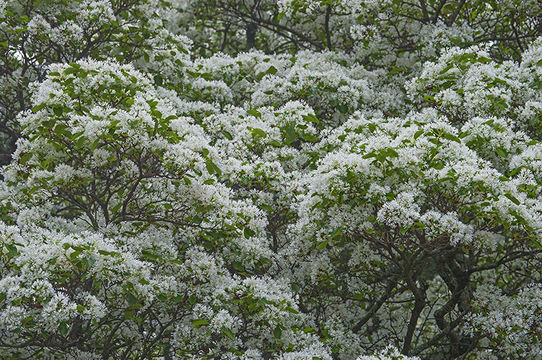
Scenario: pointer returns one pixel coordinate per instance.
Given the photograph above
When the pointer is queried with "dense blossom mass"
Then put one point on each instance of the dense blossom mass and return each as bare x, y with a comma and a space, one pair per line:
294, 179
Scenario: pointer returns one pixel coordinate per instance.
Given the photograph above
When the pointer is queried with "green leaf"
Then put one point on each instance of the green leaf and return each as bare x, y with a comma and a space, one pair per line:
255, 113
24, 157
238, 266
392, 153
343, 108
227, 135
535, 242
451, 137
359, 296
82, 74
131, 299
502, 152
158, 80
290, 133
272, 70
106, 253
518, 217
277, 332
12, 249
88, 261
37, 108
311, 118
57, 110
512, 198
199, 322
149, 255
275, 143
211, 167
248, 232
228, 332
63, 328
448, 67
61, 130
322, 244
258, 132
291, 310
70, 70
308, 137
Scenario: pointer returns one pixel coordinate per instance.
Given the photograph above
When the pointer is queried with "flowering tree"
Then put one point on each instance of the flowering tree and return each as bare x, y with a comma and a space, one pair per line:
365, 183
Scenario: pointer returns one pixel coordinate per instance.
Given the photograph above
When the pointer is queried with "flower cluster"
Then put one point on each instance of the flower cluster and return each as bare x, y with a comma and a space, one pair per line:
316, 205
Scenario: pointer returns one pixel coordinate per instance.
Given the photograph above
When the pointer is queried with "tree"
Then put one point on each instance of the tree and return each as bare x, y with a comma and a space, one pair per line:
36, 34
371, 191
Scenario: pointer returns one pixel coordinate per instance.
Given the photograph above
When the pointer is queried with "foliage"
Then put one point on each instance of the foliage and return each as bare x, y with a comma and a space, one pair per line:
365, 183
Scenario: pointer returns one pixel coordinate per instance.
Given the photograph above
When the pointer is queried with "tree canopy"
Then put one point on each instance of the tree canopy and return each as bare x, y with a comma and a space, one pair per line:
256, 179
